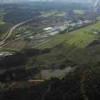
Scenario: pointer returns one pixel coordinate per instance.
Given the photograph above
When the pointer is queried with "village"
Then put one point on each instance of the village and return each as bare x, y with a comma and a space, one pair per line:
49, 29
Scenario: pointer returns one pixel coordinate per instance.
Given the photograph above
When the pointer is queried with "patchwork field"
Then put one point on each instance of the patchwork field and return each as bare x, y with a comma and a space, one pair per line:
80, 38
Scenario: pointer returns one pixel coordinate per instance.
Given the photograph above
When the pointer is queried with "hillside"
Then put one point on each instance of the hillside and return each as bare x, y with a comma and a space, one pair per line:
49, 51
83, 84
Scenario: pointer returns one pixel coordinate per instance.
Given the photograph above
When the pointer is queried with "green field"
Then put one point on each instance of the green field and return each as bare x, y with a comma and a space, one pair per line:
80, 12
70, 49
2, 13
1, 21
80, 38
53, 13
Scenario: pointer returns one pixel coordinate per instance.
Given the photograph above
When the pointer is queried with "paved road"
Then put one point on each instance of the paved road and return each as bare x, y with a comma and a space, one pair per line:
12, 30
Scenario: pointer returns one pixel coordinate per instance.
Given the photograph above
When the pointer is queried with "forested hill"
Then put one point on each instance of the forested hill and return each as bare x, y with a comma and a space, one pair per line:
80, 85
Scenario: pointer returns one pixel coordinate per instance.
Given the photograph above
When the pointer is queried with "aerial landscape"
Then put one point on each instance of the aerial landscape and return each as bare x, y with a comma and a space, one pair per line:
49, 49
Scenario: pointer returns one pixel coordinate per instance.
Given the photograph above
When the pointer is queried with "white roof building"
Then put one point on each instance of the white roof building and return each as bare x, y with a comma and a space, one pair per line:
47, 28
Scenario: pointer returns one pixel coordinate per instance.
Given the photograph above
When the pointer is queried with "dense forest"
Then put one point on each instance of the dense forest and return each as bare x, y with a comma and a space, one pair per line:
20, 12
80, 85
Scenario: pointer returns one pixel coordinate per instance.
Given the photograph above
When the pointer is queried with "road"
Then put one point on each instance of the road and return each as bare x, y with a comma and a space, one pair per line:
12, 30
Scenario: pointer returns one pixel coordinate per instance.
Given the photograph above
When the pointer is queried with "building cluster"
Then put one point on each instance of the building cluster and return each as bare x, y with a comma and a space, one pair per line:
57, 29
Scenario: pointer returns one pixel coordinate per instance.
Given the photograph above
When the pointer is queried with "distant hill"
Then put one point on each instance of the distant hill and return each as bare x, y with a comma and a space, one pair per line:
19, 1
13, 1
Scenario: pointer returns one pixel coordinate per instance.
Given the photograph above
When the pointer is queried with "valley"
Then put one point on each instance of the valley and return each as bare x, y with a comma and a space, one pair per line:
50, 52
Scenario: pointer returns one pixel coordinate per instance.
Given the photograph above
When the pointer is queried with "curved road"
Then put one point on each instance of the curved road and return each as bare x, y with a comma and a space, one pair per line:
12, 29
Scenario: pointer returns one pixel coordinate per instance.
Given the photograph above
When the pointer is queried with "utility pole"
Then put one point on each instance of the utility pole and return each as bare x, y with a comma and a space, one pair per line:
95, 4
